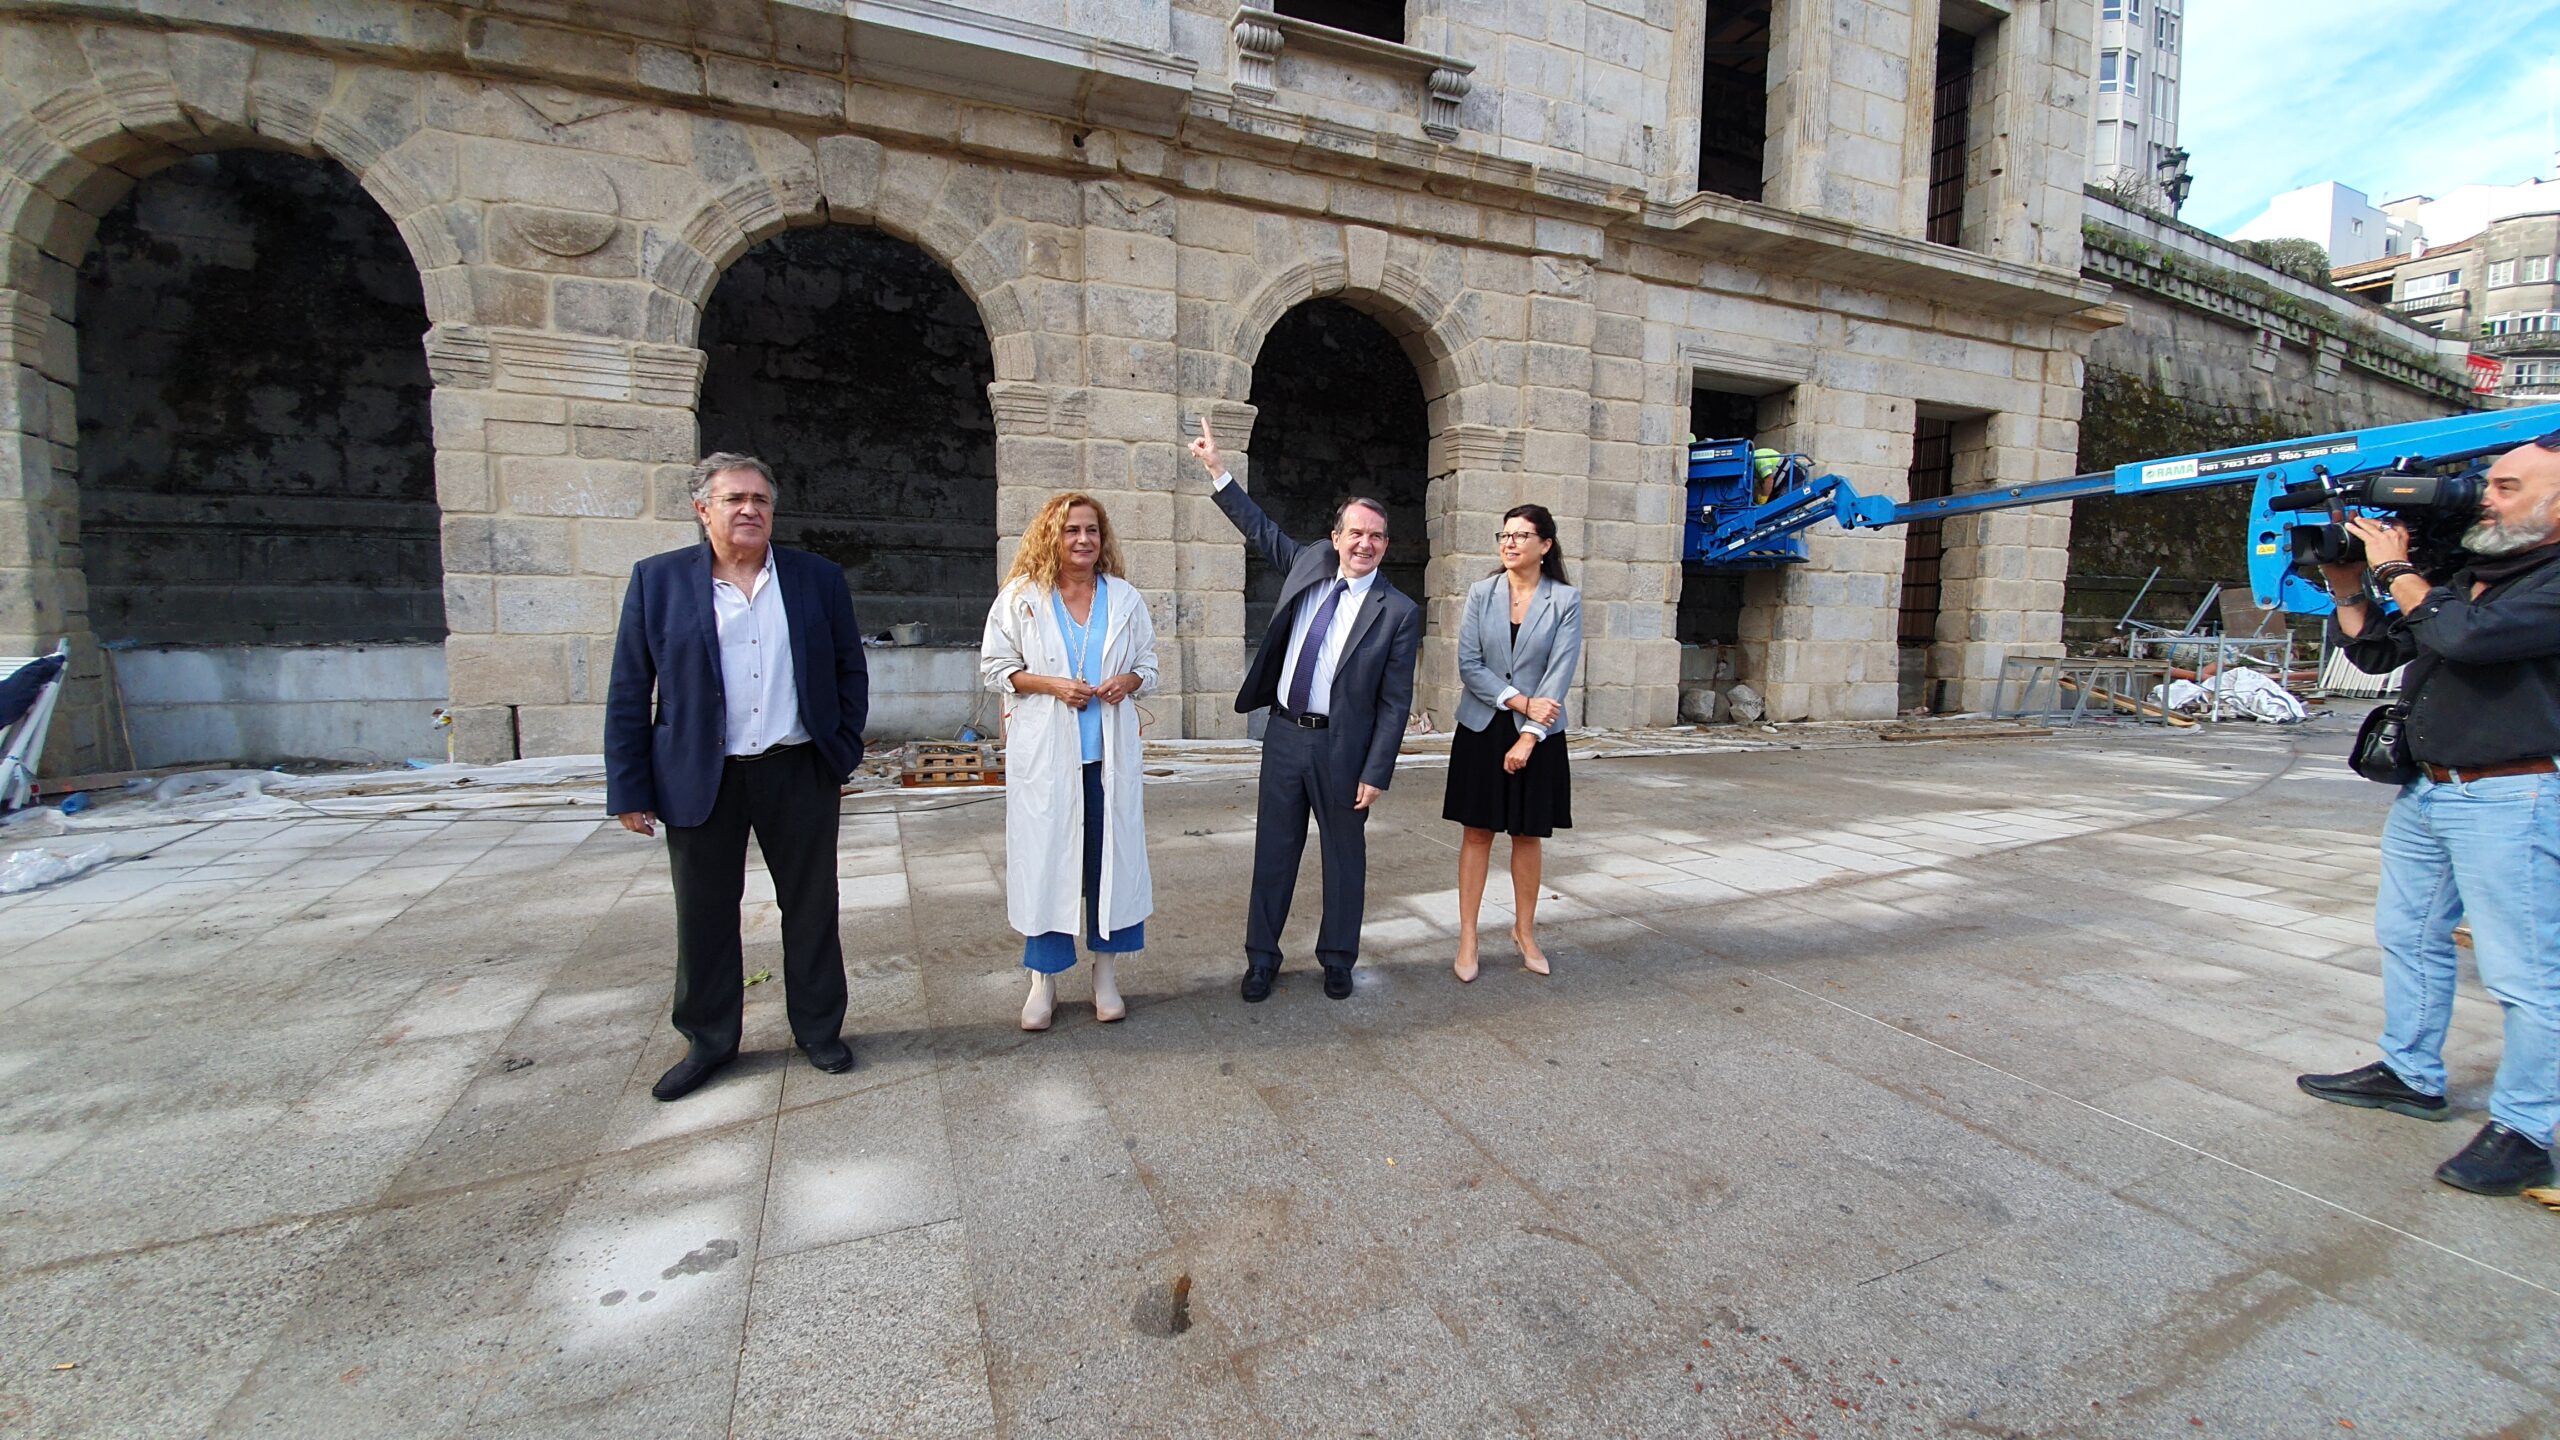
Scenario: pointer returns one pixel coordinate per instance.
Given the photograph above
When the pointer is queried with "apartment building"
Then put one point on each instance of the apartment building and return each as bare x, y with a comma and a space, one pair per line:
2498, 291
2133, 146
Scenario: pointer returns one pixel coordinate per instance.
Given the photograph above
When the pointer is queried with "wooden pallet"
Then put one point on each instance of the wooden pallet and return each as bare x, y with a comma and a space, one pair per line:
932, 764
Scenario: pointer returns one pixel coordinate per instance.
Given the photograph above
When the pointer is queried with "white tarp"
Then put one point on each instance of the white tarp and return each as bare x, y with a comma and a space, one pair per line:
2243, 694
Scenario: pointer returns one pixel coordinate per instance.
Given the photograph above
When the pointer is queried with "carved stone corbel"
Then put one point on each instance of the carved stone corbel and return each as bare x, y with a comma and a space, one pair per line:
1448, 87
1258, 43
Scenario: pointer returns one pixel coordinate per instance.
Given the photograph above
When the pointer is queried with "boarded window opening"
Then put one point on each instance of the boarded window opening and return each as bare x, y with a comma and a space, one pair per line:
858, 368
1949, 134
1340, 412
1933, 474
1733, 100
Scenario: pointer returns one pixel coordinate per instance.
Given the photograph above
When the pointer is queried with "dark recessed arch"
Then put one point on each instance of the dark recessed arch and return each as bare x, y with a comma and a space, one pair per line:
855, 364
255, 459
1340, 411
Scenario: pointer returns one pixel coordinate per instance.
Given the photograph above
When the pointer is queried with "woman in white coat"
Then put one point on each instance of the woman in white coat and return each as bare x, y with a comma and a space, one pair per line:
1071, 645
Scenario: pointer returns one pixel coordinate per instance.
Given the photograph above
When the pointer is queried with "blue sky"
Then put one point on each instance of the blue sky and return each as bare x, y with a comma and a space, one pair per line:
2392, 97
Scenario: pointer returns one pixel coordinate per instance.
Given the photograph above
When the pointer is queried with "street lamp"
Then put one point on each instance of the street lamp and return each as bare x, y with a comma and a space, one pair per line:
2175, 182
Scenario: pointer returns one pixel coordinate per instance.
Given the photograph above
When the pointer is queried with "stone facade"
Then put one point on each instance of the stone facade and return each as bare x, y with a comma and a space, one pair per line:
1132, 193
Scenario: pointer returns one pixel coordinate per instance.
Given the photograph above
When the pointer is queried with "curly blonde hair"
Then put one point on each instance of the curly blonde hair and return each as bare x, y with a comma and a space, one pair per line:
1037, 560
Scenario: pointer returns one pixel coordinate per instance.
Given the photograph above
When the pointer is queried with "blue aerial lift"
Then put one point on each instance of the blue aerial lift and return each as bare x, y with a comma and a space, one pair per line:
1748, 509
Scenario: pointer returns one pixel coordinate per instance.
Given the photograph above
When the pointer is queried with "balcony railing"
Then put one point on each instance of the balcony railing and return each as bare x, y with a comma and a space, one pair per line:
2428, 304
2518, 342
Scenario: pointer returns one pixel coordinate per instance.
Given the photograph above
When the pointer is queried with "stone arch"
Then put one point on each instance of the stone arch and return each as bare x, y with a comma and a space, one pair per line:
77, 151
91, 111
1389, 279
943, 207
1436, 334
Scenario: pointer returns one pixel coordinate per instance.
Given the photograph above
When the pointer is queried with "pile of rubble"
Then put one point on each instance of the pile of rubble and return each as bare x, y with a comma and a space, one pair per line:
1710, 693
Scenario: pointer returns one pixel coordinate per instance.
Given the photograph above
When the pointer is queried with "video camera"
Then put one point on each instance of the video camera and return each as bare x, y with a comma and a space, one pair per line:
2437, 508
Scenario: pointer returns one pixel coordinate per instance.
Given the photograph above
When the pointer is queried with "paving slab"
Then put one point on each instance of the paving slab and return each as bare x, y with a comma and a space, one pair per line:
1879, 1090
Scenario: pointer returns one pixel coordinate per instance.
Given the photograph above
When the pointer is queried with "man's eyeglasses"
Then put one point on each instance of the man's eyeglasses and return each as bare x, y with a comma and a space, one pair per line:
1516, 537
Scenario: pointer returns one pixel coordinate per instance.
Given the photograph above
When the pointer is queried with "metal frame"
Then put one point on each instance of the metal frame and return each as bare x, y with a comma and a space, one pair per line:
2098, 684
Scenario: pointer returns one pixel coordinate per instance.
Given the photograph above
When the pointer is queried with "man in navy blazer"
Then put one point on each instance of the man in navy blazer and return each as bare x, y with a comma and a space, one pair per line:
1336, 670
755, 663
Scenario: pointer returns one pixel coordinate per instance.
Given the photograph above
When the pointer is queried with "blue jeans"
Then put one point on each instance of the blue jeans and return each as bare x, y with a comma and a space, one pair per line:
2488, 850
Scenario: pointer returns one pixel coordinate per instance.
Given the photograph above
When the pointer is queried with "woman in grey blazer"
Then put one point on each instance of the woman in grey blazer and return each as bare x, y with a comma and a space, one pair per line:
1518, 643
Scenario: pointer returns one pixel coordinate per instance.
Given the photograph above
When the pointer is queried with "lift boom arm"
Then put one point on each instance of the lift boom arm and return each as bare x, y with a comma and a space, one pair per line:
2271, 468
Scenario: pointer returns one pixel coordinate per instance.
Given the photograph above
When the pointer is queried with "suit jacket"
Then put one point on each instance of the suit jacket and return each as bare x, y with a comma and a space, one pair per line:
1373, 680
1540, 663
668, 762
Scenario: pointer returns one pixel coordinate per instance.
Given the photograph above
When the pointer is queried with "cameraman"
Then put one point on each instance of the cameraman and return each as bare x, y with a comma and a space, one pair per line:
2477, 833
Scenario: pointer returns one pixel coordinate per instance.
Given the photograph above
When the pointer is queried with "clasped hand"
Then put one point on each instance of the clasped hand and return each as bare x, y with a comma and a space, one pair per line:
1540, 710
1077, 694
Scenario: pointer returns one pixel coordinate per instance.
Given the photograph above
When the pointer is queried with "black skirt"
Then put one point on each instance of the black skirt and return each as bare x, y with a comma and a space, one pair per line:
1537, 802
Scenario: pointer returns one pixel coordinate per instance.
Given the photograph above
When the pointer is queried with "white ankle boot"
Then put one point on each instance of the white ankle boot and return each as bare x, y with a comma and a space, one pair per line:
1107, 1004
1042, 1003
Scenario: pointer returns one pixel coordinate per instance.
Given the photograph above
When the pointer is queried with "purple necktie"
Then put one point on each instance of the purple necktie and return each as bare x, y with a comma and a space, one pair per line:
1302, 684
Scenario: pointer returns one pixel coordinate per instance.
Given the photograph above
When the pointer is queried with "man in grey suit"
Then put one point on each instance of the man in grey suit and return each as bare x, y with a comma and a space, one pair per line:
1336, 669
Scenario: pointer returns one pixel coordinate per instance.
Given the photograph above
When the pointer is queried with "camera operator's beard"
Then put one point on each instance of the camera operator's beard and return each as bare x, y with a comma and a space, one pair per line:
2489, 539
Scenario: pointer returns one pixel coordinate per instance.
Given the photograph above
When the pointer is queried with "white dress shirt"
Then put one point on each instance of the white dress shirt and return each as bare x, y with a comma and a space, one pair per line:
755, 665
1346, 611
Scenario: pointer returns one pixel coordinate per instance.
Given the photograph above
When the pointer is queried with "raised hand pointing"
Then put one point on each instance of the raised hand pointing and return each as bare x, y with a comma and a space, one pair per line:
1205, 450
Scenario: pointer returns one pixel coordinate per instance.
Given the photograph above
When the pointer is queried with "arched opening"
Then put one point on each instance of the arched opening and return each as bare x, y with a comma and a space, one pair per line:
258, 518
858, 368
1339, 412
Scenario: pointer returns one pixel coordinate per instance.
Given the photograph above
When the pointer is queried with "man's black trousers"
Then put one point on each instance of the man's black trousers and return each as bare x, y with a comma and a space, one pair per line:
788, 799
1299, 778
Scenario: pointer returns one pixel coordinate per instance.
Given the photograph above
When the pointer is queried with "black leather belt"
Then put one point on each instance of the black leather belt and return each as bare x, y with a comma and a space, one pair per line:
769, 753
2464, 774
1303, 722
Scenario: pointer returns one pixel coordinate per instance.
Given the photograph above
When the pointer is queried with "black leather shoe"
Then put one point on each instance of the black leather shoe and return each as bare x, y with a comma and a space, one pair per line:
2498, 1161
1257, 984
688, 1074
2376, 1087
1337, 982
832, 1056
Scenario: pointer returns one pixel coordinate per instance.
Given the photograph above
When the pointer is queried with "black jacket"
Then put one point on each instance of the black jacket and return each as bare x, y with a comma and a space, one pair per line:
2483, 686
1372, 682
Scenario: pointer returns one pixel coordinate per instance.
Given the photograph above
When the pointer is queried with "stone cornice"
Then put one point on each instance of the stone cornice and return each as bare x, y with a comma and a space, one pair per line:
793, 63
541, 362
1859, 255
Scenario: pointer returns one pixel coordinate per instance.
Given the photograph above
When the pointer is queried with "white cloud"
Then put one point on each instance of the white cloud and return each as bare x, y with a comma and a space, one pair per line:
2392, 97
